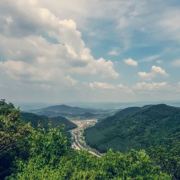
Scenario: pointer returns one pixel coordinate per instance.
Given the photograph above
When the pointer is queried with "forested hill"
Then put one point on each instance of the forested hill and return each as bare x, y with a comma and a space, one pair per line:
136, 128
62, 110
155, 128
44, 121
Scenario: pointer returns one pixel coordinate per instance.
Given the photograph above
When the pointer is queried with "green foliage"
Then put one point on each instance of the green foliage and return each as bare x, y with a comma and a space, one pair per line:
6, 108
81, 165
49, 146
168, 157
13, 135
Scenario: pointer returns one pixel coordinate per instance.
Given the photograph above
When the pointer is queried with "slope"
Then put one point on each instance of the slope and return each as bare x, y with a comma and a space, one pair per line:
136, 128
43, 121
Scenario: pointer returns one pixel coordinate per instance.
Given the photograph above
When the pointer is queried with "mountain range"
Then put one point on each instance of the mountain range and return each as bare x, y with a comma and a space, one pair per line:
72, 112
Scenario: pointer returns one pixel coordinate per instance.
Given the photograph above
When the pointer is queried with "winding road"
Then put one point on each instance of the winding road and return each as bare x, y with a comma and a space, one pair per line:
78, 137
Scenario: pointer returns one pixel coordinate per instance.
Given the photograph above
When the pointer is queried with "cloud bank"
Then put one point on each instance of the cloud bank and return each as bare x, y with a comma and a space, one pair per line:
38, 46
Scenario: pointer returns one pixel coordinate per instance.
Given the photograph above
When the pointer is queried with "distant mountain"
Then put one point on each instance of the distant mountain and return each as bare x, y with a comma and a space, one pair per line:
71, 112
44, 121
136, 128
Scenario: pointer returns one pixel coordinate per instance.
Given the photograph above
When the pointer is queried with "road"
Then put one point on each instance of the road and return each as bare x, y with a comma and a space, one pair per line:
78, 137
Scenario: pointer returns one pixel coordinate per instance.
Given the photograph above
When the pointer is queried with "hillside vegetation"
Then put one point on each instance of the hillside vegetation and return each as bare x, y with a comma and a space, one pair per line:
44, 121
37, 153
155, 128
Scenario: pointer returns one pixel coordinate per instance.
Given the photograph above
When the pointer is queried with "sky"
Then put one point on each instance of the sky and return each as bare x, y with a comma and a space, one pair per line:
89, 50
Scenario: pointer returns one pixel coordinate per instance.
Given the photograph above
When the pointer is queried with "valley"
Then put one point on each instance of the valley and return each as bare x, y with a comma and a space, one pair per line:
77, 136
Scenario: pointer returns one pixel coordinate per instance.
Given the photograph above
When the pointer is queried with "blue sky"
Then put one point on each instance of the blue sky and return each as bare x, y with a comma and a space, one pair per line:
90, 51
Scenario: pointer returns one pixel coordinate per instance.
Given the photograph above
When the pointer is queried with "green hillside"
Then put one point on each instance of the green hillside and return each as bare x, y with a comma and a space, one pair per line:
154, 128
136, 128
43, 121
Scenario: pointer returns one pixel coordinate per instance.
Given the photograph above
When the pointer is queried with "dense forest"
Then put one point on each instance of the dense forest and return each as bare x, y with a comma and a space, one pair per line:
155, 128
38, 153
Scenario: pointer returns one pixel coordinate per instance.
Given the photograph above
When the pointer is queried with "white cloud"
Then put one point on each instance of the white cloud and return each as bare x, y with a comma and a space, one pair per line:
38, 46
144, 86
101, 85
155, 71
142, 16
158, 70
131, 62
109, 86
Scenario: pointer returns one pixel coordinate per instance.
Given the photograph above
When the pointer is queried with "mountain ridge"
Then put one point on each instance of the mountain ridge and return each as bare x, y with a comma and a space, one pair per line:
135, 128
71, 112
44, 121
